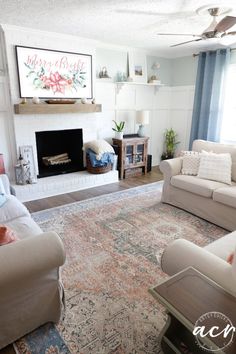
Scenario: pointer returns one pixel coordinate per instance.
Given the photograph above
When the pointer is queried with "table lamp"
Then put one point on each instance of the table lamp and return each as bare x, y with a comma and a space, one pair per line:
142, 118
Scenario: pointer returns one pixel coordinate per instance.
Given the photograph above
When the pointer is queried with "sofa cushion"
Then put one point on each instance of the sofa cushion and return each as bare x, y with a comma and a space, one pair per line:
218, 148
226, 195
24, 227
223, 246
2, 189
3, 199
196, 185
12, 209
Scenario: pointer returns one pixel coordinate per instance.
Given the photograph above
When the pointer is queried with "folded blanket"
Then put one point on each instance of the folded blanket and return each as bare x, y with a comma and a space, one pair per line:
106, 158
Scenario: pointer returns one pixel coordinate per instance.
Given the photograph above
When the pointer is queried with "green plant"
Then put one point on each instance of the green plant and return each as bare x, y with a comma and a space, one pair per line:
119, 127
170, 144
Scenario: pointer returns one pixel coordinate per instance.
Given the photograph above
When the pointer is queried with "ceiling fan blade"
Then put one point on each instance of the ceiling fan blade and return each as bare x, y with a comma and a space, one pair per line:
156, 13
194, 40
178, 34
229, 33
225, 24
137, 12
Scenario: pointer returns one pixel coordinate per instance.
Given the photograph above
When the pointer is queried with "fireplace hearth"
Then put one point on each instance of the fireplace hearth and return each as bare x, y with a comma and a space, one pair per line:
59, 152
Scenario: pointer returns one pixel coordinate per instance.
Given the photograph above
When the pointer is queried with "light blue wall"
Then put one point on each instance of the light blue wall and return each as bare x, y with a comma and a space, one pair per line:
164, 73
113, 60
172, 72
184, 71
233, 57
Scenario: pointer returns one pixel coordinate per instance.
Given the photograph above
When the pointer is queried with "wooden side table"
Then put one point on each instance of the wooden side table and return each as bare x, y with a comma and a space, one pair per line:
132, 153
191, 297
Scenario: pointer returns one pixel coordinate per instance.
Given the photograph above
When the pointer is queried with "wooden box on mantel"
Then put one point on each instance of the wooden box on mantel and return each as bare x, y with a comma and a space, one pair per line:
44, 108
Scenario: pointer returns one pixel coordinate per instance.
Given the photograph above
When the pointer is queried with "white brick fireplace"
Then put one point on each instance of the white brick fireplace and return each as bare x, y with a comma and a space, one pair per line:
27, 125
25, 128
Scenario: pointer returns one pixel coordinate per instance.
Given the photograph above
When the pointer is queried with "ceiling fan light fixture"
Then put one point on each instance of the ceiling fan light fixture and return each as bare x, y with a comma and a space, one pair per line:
214, 10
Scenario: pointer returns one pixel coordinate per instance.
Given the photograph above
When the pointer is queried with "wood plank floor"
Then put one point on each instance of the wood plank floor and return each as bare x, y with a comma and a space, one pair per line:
46, 203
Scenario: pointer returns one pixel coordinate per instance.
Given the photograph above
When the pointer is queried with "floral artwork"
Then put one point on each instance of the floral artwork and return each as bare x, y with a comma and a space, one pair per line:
54, 74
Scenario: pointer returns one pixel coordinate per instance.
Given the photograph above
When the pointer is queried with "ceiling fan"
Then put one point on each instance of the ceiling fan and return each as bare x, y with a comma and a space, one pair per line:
215, 30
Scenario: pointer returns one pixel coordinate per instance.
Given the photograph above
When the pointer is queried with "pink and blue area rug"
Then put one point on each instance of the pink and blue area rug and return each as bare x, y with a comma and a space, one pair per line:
113, 244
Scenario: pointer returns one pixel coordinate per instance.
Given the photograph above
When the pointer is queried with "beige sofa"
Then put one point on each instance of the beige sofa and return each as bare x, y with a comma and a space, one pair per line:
31, 293
210, 200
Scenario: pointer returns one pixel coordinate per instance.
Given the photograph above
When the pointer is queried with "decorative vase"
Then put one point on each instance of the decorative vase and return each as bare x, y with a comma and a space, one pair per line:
141, 131
36, 100
84, 100
119, 135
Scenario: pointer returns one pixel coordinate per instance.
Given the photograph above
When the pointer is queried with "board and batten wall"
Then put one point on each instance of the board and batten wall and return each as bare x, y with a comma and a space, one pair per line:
170, 106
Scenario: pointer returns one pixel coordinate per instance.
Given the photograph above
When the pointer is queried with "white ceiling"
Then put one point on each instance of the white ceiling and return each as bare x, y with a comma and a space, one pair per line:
119, 22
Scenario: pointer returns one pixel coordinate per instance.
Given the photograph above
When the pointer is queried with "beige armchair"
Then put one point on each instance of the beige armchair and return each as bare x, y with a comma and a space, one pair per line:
31, 292
210, 261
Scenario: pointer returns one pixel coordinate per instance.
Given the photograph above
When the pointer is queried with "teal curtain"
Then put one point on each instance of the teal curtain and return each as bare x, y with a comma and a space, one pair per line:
209, 95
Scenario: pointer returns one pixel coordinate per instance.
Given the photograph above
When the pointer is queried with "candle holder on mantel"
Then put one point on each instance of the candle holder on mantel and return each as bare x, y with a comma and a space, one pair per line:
22, 173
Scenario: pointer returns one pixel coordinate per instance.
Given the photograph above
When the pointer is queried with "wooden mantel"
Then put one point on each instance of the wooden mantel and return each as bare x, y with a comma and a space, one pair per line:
44, 108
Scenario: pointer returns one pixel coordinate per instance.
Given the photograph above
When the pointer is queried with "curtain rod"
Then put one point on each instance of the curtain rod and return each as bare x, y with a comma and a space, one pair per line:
232, 49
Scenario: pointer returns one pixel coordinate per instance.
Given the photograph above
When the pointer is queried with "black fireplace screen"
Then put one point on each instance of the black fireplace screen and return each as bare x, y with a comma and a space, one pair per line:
59, 151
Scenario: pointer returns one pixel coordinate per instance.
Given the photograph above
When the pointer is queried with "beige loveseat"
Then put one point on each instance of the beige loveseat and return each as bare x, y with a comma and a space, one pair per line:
31, 293
210, 200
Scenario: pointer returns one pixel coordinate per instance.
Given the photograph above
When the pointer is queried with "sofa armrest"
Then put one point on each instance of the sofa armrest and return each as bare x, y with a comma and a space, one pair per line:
181, 254
6, 183
30, 258
171, 167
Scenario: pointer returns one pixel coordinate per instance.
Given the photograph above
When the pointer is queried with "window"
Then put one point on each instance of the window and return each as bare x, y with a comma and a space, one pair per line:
228, 129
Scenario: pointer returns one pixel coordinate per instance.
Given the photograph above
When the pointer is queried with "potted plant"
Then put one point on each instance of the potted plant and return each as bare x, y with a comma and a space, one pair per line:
170, 144
119, 129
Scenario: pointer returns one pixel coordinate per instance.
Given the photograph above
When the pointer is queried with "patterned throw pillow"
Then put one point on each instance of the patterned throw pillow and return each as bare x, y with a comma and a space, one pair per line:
190, 163
215, 167
7, 235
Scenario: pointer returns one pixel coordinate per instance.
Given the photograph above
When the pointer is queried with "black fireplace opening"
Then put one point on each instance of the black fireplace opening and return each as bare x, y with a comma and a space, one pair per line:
59, 151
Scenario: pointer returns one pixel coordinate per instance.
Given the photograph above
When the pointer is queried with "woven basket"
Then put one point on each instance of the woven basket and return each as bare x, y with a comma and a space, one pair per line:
97, 170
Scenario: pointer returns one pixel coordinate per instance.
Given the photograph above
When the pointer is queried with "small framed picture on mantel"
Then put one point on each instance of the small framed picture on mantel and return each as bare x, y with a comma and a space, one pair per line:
137, 66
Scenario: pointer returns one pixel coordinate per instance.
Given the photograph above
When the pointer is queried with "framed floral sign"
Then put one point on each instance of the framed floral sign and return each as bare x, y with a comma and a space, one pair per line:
27, 154
48, 73
137, 67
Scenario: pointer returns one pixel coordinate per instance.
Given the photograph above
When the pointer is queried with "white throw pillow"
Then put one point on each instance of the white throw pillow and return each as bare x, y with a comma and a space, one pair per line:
12, 209
190, 163
99, 147
215, 167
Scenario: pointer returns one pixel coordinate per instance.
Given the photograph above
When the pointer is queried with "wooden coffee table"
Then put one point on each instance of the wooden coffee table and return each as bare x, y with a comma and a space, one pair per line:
191, 299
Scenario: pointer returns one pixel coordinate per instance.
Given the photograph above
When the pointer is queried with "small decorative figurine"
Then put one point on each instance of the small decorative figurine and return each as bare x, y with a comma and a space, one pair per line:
84, 100
36, 100
103, 74
24, 101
